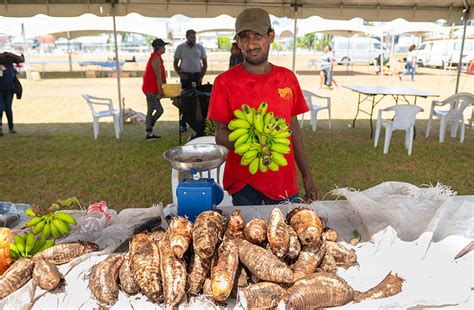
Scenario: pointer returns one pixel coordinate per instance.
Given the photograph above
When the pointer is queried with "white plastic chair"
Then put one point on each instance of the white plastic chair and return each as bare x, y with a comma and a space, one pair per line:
315, 108
97, 114
458, 103
405, 117
217, 173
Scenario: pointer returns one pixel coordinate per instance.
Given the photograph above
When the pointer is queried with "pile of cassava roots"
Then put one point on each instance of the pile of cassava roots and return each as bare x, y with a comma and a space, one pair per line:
262, 263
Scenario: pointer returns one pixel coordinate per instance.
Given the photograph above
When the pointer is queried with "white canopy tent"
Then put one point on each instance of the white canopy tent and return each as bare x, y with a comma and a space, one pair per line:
344, 28
400, 25
84, 25
219, 23
414, 10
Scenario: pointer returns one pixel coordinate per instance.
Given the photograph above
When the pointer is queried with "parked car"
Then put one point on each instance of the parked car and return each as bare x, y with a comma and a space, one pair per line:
442, 53
357, 50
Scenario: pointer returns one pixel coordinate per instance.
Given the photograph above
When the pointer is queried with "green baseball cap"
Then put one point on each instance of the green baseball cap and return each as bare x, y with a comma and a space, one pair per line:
254, 19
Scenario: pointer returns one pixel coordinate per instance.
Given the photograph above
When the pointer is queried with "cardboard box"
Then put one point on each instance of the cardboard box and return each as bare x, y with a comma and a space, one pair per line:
171, 90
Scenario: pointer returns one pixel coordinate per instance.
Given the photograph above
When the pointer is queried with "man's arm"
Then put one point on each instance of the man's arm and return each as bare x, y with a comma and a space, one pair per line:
156, 66
204, 67
176, 66
10, 58
311, 192
222, 135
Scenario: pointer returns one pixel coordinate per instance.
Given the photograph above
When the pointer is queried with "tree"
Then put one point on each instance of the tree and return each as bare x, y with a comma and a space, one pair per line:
223, 43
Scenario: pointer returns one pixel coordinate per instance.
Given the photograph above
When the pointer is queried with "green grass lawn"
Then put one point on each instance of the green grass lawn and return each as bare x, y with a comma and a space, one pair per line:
43, 163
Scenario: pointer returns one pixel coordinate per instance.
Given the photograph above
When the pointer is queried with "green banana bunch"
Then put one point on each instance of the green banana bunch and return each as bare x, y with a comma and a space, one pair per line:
55, 225
70, 203
260, 137
209, 128
27, 245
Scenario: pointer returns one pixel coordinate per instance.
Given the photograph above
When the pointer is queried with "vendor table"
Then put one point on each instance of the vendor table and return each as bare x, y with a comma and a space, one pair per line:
396, 92
421, 248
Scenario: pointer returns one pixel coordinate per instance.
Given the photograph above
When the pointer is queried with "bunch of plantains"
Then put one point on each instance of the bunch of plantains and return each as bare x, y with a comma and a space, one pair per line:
52, 222
27, 245
261, 138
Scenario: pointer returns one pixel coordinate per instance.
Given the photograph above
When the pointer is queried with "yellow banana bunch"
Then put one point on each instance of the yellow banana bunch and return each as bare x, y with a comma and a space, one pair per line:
260, 137
55, 225
27, 245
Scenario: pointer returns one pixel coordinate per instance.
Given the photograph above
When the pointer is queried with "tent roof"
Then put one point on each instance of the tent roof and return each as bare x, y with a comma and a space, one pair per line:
376, 10
399, 26
86, 24
335, 27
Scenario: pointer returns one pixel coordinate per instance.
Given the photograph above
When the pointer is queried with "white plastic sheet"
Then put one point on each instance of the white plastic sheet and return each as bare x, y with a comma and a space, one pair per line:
415, 232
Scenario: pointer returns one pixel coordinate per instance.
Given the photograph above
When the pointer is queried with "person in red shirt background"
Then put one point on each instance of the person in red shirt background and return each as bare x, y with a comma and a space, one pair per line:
254, 81
153, 80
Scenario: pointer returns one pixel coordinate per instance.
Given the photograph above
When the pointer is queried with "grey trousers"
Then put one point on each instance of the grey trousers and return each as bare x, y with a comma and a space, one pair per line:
155, 110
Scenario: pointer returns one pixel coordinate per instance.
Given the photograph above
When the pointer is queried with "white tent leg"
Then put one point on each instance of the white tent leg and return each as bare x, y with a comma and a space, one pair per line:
69, 51
467, 13
27, 54
381, 54
348, 46
117, 68
294, 40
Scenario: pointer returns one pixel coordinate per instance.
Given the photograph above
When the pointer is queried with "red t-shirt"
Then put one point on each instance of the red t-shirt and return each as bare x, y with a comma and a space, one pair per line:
281, 90
149, 77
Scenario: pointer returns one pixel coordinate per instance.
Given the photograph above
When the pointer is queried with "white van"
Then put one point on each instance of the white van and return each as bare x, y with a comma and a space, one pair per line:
442, 53
356, 50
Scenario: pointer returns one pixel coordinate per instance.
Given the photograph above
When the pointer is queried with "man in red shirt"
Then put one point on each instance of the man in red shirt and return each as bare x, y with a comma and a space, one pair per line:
153, 80
252, 82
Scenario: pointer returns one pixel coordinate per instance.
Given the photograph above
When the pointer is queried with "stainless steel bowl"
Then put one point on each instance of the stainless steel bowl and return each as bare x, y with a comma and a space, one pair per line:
197, 157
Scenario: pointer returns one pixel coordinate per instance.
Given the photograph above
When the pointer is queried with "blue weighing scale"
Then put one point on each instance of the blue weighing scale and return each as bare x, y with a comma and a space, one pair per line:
195, 192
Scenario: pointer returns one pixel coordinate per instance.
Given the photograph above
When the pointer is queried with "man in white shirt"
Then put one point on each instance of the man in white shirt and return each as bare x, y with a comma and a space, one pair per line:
190, 63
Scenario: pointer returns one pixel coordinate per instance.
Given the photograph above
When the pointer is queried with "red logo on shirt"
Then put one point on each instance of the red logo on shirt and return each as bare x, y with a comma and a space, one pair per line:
285, 93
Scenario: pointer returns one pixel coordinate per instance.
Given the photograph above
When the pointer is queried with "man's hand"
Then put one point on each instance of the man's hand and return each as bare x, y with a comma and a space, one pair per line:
311, 192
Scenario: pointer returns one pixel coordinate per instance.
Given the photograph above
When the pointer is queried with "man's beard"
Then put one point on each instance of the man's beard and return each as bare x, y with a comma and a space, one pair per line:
257, 61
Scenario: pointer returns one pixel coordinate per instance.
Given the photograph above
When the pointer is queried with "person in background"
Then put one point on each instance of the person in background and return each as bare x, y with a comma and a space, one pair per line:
236, 56
190, 63
411, 63
153, 80
252, 82
7, 87
327, 64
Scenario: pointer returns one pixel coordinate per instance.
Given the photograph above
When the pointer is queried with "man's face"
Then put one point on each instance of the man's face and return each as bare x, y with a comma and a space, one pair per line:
255, 46
191, 38
162, 49
235, 51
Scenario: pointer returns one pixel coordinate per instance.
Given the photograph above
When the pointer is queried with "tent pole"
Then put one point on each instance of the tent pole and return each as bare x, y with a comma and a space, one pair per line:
27, 54
348, 46
465, 17
381, 54
294, 40
117, 68
69, 52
